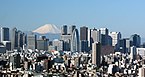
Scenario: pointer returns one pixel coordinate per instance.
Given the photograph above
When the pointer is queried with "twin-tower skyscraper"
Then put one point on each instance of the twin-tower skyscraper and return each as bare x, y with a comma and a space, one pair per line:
70, 37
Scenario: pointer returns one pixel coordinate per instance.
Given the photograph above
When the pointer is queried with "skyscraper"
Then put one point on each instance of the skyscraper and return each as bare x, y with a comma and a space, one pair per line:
133, 53
32, 42
42, 43
14, 38
83, 33
64, 30
66, 38
136, 40
75, 43
122, 45
70, 40
5, 34
96, 35
71, 29
84, 46
96, 53
128, 44
116, 36
84, 39
104, 36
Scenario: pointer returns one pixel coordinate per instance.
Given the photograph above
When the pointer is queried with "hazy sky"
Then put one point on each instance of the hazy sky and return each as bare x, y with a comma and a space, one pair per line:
126, 16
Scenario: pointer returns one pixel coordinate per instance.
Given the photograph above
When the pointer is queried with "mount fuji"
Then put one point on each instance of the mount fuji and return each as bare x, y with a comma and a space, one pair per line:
48, 30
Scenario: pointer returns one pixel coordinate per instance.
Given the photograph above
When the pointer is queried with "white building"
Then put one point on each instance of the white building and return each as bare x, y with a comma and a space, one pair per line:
96, 53
104, 31
141, 51
116, 36
96, 35
141, 72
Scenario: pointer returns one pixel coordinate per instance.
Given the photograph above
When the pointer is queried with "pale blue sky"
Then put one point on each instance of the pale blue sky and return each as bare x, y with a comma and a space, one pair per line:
126, 16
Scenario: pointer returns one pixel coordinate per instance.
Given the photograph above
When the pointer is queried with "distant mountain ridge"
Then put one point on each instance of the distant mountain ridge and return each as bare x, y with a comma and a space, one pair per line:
47, 28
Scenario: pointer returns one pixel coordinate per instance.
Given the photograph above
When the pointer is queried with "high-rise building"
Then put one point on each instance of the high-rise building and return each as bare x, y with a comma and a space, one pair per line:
66, 42
14, 38
58, 45
66, 45
141, 52
84, 39
95, 35
71, 29
20, 39
128, 44
84, 46
32, 41
75, 43
104, 36
5, 34
133, 53
64, 30
96, 53
89, 38
71, 41
116, 36
42, 43
122, 45
83, 33
141, 72
136, 40
104, 31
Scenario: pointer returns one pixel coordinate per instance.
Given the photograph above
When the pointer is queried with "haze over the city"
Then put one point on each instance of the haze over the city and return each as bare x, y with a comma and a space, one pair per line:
125, 16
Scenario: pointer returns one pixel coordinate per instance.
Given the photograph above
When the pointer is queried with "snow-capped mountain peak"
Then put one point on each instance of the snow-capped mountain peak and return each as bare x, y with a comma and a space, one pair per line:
47, 28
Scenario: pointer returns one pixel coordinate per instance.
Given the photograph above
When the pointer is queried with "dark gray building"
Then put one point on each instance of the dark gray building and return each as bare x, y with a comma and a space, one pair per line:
5, 34
83, 33
84, 46
135, 40
64, 30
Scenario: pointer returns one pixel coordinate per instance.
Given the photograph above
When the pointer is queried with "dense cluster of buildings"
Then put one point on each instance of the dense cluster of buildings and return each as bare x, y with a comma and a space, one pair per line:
78, 53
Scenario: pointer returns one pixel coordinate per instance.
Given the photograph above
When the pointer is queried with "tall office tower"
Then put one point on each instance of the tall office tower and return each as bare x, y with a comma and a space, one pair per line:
14, 38
84, 46
122, 46
83, 33
64, 30
116, 36
84, 39
71, 29
128, 44
20, 39
104, 31
89, 38
96, 53
95, 35
32, 43
109, 40
136, 40
133, 53
5, 34
25, 39
67, 42
42, 43
104, 36
75, 43
66, 45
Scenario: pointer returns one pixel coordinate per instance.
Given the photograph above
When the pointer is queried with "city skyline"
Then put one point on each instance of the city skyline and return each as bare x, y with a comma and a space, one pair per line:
123, 16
